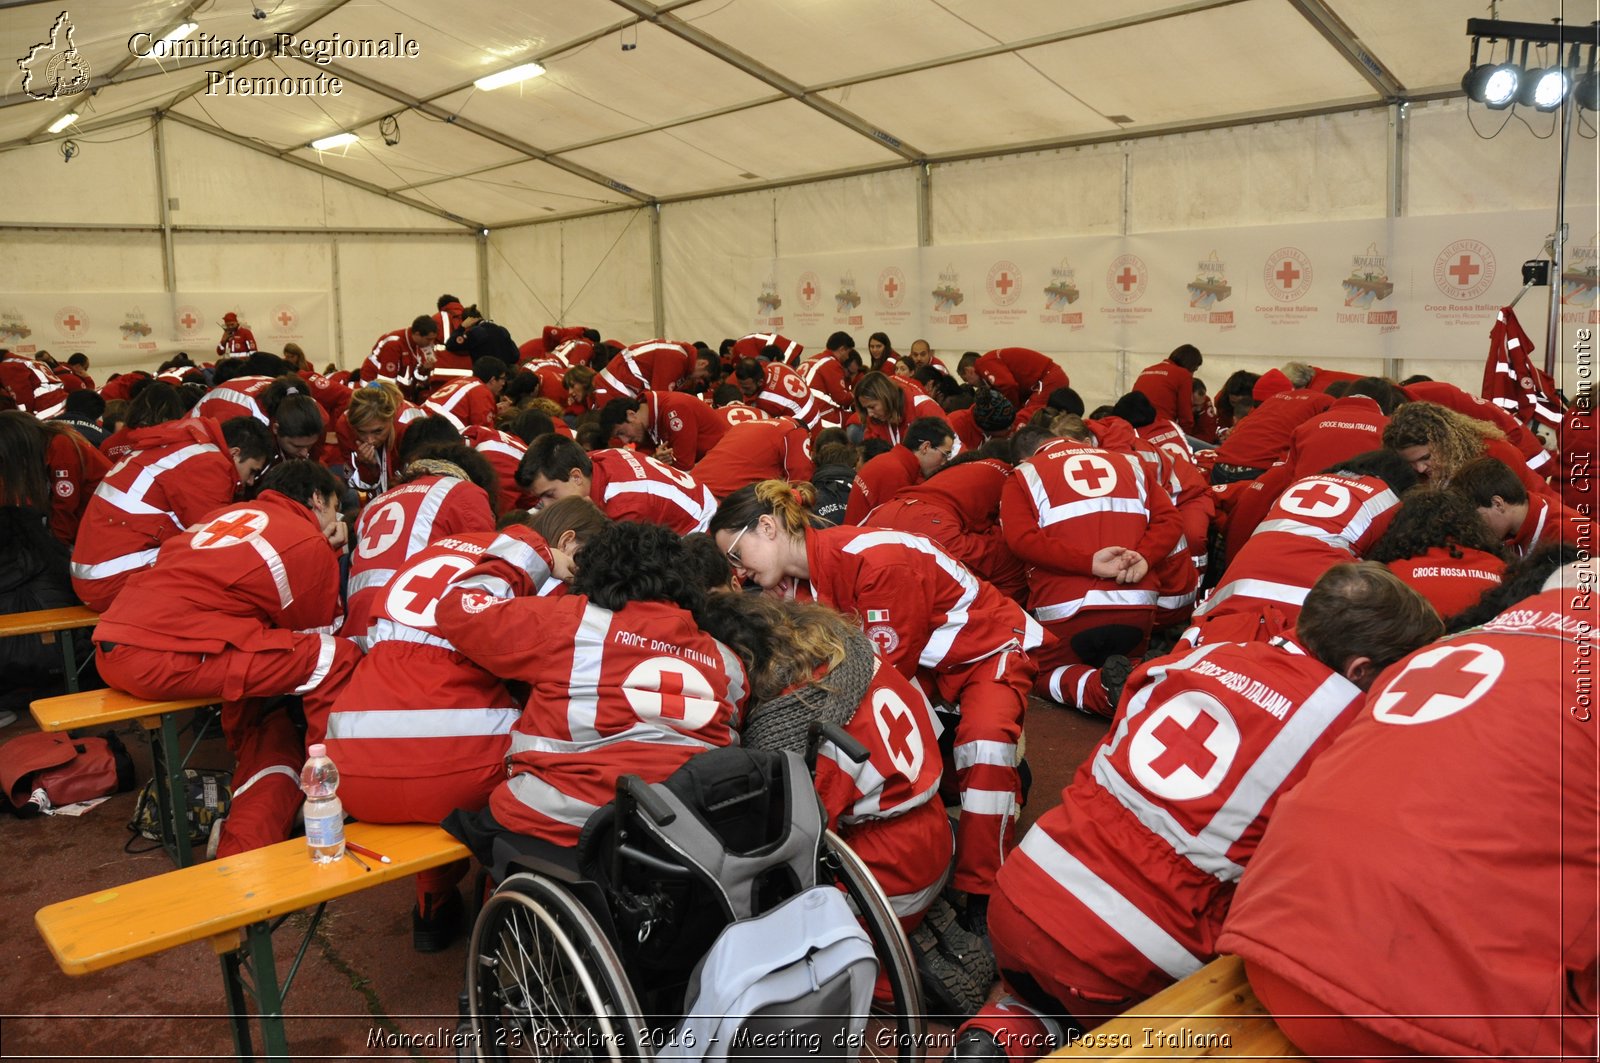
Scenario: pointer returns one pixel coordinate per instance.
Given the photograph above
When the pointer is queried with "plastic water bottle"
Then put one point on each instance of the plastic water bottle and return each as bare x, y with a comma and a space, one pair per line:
324, 811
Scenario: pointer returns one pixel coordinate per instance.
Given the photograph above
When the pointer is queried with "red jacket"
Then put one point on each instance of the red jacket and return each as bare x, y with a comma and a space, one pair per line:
33, 386
238, 344
684, 423
239, 397
464, 402
247, 576
778, 449
376, 476
1170, 389
824, 374
959, 509
415, 707
504, 453
75, 468
1134, 870
397, 525
1455, 823
179, 471
630, 486
1070, 500
736, 413
1021, 374
916, 404
332, 395
785, 393
1452, 578
656, 365
1263, 435
394, 357
751, 346
881, 479
639, 690
123, 384
920, 606
1548, 521
1352, 425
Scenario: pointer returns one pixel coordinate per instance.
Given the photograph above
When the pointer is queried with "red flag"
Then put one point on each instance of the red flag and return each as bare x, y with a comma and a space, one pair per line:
1510, 379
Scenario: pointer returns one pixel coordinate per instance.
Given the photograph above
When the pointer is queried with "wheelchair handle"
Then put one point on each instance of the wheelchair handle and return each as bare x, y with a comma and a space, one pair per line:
634, 790
845, 742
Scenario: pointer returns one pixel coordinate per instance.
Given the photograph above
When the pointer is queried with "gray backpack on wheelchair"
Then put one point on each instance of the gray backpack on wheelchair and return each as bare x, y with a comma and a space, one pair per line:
712, 933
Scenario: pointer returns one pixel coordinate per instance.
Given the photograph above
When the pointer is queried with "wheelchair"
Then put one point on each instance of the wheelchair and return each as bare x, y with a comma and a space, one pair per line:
628, 947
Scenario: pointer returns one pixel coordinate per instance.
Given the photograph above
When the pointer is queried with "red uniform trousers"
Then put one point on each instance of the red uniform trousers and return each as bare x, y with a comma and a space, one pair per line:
266, 747
1045, 976
375, 799
1069, 671
991, 696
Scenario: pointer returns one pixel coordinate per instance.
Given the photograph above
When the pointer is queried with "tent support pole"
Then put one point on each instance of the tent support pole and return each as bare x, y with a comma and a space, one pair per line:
1394, 193
925, 205
1558, 239
483, 273
168, 260
658, 302
338, 308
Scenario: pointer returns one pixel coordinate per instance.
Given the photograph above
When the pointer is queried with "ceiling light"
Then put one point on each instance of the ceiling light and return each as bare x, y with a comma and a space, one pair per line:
1492, 84
490, 82
338, 140
1587, 92
65, 120
1543, 90
176, 35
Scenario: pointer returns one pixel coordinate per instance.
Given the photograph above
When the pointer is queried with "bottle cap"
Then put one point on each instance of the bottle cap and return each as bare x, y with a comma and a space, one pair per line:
318, 750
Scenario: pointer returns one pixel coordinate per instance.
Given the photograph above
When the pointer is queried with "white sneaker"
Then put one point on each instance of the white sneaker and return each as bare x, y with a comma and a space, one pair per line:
215, 838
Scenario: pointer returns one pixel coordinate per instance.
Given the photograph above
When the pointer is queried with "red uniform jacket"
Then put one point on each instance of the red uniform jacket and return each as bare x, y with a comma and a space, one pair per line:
881, 479
737, 413
332, 395
504, 453
1548, 521
824, 374
629, 486
119, 387
1070, 500
688, 425
959, 509
415, 707
376, 476
1452, 578
1170, 389
33, 386
1263, 435
778, 449
246, 576
464, 402
76, 469
639, 690
1517, 434
919, 606
239, 397
178, 472
242, 342
656, 365
751, 346
394, 357
785, 393
1317, 523
1024, 376
397, 525
1352, 425
1133, 872
1455, 823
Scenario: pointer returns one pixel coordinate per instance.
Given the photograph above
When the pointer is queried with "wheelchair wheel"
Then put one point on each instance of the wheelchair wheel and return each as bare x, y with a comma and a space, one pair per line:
544, 981
900, 1035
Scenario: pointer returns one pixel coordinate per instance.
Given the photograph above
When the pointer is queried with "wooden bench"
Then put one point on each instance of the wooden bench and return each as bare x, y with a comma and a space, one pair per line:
235, 904
94, 708
1212, 1014
50, 622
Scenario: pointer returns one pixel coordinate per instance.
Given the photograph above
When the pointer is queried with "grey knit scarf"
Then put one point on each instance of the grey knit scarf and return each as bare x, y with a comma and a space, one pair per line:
781, 723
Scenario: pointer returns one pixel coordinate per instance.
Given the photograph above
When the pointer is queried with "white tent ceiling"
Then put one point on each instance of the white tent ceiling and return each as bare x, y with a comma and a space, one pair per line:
647, 102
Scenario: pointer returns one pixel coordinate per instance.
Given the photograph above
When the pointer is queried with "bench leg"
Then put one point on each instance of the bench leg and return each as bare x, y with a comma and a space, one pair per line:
69, 658
169, 784
255, 955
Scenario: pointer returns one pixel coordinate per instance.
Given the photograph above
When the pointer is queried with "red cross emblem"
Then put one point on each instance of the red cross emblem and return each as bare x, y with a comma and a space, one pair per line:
382, 530
671, 690
233, 527
188, 320
808, 291
898, 729
72, 322
1464, 270
1439, 682
1184, 748
1091, 475
891, 287
1316, 498
1287, 274
1127, 279
285, 318
1005, 284
415, 594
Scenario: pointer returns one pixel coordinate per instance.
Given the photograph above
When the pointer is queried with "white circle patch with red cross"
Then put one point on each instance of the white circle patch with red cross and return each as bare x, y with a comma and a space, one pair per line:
1091, 475
796, 387
897, 726
1315, 498
1183, 749
414, 595
233, 527
381, 530
1439, 682
672, 691
65, 488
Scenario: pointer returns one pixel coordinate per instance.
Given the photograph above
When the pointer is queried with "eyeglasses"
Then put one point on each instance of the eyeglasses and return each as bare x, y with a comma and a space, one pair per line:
733, 552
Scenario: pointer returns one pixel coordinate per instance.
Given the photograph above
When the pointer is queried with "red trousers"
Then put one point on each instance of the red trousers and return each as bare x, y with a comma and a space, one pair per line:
376, 799
266, 747
1032, 962
991, 697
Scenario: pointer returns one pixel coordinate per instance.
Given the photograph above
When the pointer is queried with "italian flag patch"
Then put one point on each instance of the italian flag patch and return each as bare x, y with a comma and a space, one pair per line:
877, 616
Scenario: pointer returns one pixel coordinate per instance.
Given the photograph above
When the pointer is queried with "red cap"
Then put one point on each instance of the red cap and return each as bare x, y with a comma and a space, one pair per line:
230, 318
1271, 382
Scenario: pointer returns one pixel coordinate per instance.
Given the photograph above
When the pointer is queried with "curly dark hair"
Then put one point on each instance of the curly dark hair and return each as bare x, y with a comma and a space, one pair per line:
1523, 578
632, 561
1430, 517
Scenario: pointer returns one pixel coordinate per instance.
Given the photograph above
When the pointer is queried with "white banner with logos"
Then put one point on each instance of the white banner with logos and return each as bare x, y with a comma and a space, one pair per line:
139, 330
1412, 288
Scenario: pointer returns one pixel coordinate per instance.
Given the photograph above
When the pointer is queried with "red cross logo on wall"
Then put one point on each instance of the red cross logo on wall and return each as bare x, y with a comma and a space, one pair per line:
1127, 279
1464, 270
236, 526
809, 291
1183, 748
188, 321
1287, 274
1439, 682
285, 318
891, 287
1005, 283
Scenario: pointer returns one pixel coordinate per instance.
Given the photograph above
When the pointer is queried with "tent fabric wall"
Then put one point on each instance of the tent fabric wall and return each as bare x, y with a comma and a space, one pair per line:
593, 271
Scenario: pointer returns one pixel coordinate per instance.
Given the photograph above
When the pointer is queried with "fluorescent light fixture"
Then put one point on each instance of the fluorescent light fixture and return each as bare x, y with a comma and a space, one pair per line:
178, 34
65, 120
490, 82
338, 140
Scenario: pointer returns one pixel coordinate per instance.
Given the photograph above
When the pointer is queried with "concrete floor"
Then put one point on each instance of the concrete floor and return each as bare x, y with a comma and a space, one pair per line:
359, 983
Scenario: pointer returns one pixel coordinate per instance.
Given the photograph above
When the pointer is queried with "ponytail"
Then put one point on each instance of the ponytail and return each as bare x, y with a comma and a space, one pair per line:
788, 503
